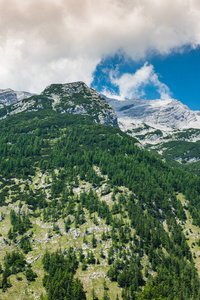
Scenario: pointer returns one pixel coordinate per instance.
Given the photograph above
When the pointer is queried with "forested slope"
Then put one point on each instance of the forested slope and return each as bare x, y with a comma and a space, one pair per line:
86, 214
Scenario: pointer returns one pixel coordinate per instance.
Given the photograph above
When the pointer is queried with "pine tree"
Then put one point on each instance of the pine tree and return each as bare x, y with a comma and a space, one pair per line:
94, 297
105, 295
84, 265
94, 241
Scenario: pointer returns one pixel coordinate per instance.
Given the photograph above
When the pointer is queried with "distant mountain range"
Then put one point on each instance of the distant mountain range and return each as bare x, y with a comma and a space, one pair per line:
165, 115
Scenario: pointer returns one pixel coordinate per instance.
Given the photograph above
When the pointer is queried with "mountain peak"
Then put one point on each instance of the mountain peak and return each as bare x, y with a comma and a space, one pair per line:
78, 98
68, 88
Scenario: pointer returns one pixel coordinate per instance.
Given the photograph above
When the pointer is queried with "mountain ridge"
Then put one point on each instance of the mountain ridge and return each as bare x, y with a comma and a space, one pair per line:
163, 114
74, 98
160, 114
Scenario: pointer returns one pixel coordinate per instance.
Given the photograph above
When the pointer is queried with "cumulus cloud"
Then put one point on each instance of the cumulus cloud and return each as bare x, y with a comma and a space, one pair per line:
44, 41
133, 85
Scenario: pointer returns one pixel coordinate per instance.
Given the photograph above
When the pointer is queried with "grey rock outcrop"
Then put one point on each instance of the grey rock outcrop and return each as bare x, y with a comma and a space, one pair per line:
8, 97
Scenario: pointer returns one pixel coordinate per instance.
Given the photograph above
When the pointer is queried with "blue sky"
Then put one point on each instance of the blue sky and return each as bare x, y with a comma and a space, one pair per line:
179, 71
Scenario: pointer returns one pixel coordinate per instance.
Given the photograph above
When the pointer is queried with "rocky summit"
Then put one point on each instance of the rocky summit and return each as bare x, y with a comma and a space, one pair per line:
78, 98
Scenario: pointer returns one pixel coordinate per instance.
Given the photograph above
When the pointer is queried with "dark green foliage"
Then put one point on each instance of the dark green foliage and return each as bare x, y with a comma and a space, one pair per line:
21, 223
165, 285
105, 295
67, 224
57, 187
12, 235
104, 236
14, 262
5, 282
56, 228
30, 275
81, 255
59, 280
25, 244
102, 254
90, 258
80, 216
84, 265
179, 151
15, 259
91, 202
94, 241
1, 269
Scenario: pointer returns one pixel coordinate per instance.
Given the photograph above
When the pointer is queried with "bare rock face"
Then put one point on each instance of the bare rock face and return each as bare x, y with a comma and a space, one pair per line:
156, 113
8, 97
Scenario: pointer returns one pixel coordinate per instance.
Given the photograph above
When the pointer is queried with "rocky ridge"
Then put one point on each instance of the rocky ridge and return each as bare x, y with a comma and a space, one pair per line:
8, 97
159, 114
74, 98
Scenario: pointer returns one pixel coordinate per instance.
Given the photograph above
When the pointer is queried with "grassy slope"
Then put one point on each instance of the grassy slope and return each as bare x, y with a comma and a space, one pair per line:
93, 277
192, 234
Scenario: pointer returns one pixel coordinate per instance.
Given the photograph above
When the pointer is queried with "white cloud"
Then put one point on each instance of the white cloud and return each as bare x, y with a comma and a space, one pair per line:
44, 41
133, 85
162, 88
